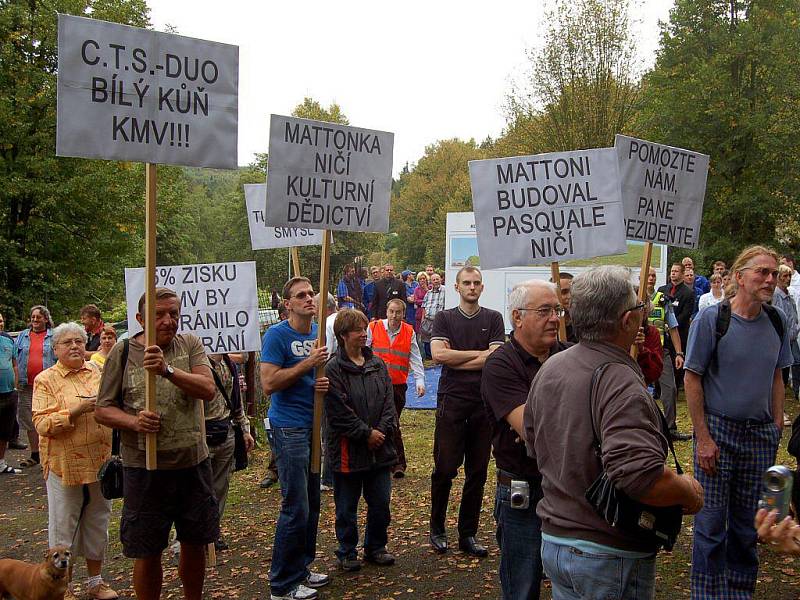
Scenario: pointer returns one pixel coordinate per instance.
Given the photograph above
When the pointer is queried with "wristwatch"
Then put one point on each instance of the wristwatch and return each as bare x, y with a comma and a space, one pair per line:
681, 354
168, 372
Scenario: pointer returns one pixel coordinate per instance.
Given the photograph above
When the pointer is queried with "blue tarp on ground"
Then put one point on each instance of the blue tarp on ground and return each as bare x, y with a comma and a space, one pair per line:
428, 401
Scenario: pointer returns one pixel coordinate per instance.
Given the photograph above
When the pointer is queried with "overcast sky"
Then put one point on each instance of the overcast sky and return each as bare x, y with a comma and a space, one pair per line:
424, 70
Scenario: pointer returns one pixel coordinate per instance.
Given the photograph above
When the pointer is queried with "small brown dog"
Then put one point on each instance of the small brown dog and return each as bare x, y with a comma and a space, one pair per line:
44, 581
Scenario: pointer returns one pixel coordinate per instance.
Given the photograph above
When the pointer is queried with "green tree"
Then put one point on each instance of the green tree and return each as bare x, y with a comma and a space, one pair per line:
582, 86
726, 83
66, 225
438, 184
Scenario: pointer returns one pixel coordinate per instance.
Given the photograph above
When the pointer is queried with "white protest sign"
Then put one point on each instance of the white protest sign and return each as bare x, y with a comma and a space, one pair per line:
663, 189
532, 210
126, 93
263, 237
219, 303
328, 176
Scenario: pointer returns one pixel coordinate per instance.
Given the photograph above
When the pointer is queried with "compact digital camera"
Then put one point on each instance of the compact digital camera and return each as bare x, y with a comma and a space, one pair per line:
520, 494
776, 493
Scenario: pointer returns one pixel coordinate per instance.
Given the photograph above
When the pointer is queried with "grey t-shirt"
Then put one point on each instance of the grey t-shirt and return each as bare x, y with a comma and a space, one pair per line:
748, 354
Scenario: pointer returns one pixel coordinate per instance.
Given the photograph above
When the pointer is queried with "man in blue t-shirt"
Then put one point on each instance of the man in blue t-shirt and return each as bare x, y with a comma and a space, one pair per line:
288, 358
735, 394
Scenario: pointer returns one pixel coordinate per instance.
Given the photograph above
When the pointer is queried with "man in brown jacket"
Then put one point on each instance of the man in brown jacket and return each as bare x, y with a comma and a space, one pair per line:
580, 550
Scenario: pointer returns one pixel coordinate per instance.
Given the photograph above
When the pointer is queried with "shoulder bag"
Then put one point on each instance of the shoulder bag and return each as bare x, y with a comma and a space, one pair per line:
657, 525
110, 474
240, 448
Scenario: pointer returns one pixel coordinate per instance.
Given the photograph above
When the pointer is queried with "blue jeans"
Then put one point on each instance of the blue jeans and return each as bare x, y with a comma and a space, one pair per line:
296, 530
519, 535
347, 489
578, 575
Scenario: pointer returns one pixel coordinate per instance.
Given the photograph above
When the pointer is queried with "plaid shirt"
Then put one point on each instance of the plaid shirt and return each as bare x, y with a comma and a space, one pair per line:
433, 302
73, 449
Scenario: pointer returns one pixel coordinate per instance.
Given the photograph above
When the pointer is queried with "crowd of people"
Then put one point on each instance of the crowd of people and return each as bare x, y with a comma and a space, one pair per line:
588, 485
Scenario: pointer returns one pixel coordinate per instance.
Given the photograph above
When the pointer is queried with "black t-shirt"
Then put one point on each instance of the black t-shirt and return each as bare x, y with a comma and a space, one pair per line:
507, 377
463, 332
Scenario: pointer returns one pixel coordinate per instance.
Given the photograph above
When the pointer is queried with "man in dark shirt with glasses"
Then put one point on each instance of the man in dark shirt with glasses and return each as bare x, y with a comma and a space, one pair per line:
507, 377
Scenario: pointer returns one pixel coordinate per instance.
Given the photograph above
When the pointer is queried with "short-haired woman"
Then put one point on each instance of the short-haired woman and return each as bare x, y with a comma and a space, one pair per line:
108, 337
715, 296
73, 447
360, 420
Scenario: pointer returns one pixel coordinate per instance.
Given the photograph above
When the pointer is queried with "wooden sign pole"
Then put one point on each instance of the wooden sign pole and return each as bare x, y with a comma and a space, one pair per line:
319, 397
556, 277
643, 275
295, 261
211, 551
150, 306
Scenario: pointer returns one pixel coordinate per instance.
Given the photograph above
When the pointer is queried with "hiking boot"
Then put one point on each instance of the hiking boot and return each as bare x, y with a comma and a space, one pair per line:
350, 564
102, 591
268, 481
382, 558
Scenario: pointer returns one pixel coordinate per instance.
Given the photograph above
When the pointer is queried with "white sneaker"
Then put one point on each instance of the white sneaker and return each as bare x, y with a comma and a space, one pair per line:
317, 580
301, 592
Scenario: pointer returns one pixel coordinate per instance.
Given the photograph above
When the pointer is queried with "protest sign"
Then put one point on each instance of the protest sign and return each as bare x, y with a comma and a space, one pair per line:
328, 176
126, 93
663, 189
263, 237
219, 303
533, 210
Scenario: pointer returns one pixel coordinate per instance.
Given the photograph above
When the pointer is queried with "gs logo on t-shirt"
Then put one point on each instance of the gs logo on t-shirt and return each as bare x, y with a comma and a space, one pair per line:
302, 349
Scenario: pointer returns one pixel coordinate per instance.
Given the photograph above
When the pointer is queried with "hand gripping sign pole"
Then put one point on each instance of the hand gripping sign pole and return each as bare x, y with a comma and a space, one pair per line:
150, 403
327, 176
562, 321
110, 85
319, 397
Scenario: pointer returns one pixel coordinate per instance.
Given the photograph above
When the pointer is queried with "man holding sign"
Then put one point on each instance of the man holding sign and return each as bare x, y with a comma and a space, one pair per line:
180, 491
288, 358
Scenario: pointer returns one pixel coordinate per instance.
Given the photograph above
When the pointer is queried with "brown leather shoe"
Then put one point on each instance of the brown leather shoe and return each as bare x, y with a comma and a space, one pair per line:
102, 591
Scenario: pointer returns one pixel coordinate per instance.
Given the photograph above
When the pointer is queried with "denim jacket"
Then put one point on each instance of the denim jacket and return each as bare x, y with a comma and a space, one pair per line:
22, 347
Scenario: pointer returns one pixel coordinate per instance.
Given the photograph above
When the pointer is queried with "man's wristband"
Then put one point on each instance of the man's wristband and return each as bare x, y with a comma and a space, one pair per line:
681, 354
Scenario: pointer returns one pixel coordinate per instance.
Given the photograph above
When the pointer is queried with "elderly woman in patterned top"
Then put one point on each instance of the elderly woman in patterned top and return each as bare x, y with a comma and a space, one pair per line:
73, 447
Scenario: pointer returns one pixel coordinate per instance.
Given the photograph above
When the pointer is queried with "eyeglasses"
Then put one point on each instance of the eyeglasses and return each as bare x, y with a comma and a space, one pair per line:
763, 271
303, 295
545, 312
640, 307
75, 342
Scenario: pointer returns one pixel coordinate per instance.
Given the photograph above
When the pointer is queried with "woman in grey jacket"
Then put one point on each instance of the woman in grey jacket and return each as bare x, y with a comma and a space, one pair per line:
360, 419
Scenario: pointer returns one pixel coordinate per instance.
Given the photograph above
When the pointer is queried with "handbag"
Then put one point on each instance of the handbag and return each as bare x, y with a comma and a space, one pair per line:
110, 474
426, 328
657, 525
239, 448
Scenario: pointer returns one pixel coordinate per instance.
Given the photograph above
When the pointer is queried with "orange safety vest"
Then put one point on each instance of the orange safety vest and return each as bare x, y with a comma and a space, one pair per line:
396, 356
